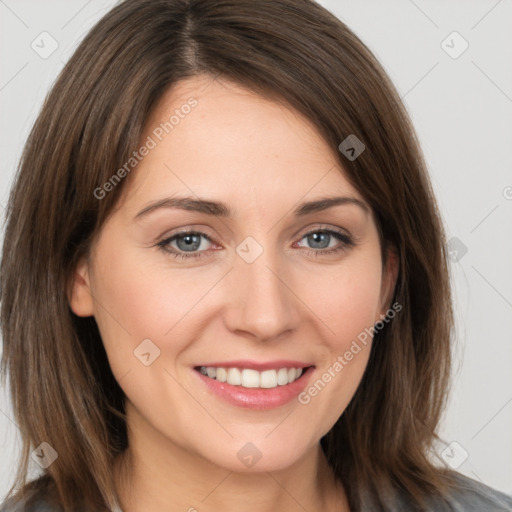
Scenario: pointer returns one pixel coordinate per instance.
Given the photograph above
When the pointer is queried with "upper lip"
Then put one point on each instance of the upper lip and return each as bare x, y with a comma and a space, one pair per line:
258, 365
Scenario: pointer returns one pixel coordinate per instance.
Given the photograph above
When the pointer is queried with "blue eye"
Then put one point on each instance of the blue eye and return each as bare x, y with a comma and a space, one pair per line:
187, 242
322, 239
193, 244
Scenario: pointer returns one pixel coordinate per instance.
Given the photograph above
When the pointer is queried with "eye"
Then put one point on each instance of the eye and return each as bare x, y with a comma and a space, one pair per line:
187, 244
193, 244
322, 239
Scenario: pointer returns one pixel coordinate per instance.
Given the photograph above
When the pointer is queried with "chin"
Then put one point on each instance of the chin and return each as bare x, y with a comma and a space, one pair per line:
259, 455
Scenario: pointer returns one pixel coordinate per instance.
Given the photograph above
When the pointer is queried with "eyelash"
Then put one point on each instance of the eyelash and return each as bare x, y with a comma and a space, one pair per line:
346, 243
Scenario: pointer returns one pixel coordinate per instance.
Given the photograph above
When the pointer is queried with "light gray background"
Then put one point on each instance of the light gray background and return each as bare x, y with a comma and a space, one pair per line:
462, 111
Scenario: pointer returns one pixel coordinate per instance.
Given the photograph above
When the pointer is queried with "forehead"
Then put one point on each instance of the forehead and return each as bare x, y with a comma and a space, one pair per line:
214, 138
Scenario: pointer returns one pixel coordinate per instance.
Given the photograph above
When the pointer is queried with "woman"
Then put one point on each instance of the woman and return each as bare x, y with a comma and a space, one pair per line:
224, 280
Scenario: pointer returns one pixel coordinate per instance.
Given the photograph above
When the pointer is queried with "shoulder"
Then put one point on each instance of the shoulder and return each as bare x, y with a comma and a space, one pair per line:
34, 498
23, 505
467, 495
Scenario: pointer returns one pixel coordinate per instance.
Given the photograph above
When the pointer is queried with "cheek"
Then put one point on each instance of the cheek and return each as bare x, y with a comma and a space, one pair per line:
348, 299
140, 297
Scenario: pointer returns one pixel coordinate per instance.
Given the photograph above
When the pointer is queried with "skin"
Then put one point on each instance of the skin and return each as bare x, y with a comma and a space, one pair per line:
261, 159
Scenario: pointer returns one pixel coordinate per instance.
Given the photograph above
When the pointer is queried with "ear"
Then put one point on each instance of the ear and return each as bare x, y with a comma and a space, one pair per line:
389, 278
79, 293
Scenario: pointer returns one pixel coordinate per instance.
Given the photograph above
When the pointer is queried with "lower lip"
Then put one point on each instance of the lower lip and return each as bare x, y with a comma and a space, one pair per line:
257, 398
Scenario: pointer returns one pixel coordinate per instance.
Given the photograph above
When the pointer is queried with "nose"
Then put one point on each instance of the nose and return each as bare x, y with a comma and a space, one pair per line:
262, 302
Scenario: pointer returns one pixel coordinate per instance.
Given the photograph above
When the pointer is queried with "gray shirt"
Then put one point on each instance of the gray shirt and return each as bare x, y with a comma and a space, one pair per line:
470, 496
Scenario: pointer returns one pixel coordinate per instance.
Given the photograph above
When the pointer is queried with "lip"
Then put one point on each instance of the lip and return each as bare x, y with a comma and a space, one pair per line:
256, 398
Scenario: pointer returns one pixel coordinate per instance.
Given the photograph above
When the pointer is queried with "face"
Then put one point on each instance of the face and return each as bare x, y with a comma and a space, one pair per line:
231, 254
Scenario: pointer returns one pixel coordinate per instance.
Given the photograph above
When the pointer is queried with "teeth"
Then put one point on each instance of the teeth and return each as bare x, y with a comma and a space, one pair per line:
249, 378
282, 376
234, 376
222, 374
268, 379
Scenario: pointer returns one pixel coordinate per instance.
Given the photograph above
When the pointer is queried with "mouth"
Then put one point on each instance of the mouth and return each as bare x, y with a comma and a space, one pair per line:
255, 385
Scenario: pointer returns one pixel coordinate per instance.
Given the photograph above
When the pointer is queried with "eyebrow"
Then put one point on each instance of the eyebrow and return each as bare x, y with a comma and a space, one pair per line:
222, 210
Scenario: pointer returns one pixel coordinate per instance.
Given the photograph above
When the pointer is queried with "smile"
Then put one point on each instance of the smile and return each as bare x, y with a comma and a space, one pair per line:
255, 385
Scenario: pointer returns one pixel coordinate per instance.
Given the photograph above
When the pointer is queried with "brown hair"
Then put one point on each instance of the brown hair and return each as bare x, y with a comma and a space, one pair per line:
295, 51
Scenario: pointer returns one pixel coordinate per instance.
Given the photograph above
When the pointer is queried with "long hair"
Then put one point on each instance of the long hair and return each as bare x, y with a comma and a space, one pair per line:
292, 51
